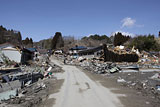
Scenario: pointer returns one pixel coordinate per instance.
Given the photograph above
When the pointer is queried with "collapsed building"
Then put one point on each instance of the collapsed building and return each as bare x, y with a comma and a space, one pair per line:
92, 51
26, 56
23, 84
115, 57
11, 52
108, 55
15, 74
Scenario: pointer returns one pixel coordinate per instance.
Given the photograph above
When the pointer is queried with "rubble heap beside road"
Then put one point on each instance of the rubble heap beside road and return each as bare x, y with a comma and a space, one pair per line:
27, 85
144, 78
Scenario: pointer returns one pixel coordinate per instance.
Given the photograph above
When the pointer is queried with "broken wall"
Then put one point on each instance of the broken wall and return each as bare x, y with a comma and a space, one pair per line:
114, 57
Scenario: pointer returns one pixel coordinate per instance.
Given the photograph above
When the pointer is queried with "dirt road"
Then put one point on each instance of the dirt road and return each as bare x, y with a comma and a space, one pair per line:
78, 90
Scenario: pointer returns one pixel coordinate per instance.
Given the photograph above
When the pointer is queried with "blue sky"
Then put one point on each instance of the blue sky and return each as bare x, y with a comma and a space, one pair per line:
40, 19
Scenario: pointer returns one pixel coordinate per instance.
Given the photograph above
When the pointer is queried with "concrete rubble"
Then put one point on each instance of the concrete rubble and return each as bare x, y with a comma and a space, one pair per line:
26, 85
143, 75
145, 81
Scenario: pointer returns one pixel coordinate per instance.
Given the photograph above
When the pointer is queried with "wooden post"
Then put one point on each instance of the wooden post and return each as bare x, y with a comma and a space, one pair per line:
105, 52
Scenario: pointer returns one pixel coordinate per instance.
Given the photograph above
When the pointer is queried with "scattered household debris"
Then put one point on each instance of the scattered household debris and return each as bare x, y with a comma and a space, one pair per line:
156, 76
132, 73
25, 77
25, 82
120, 80
158, 87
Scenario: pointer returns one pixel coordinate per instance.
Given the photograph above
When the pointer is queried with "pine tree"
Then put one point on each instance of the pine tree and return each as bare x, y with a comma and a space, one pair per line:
30, 41
57, 41
26, 41
120, 39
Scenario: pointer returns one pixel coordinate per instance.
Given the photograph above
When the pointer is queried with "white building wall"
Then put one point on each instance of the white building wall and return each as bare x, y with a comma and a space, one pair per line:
13, 55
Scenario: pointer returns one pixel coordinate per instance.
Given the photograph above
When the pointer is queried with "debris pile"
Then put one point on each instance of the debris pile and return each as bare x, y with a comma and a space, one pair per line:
116, 57
26, 85
100, 68
147, 84
142, 76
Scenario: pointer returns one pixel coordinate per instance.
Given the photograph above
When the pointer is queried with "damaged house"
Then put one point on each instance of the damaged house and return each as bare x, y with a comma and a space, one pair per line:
26, 55
15, 54
116, 57
11, 52
108, 55
96, 51
75, 50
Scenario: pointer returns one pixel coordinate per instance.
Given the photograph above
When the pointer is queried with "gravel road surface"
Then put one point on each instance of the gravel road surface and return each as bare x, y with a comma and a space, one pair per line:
78, 90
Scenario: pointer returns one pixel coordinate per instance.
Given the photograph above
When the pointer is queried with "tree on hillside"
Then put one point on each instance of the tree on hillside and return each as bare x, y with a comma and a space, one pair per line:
10, 36
2, 28
19, 36
57, 41
159, 34
30, 41
120, 39
26, 41
98, 38
112, 38
145, 42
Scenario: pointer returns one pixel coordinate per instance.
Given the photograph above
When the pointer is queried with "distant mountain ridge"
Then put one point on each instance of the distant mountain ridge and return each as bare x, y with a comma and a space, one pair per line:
10, 36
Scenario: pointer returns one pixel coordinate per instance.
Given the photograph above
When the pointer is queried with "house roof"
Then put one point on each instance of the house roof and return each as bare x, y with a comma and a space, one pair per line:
78, 48
4, 45
26, 50
32, 49
93, 49
10, 48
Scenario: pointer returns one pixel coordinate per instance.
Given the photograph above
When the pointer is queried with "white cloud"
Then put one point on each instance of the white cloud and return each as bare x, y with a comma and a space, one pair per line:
89, 35
128, 22
124, 33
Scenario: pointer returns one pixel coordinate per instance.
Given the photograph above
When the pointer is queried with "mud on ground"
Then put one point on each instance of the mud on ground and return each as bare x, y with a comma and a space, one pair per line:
54, 87
31, 98
134, 96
